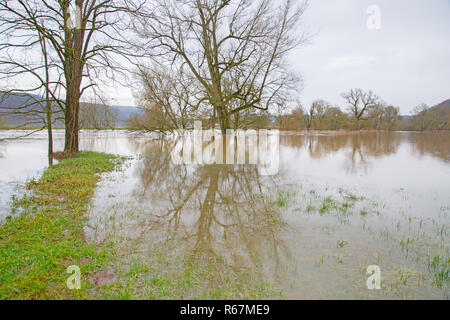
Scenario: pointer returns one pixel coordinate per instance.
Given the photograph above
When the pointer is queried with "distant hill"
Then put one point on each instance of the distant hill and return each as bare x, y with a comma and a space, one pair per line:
441, 115
443, 103
442, 108
17, 99
405, 117
433, 118
31, 105
123, 113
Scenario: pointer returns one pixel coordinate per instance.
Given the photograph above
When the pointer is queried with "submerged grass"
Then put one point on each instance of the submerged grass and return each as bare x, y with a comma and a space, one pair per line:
37, 246
187, 280
342, 208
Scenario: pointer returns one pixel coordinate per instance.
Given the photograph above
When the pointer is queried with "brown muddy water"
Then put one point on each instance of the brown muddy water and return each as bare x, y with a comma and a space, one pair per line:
338, 204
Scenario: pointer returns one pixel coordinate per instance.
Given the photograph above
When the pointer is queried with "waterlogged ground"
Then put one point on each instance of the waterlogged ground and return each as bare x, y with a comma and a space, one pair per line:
338, 204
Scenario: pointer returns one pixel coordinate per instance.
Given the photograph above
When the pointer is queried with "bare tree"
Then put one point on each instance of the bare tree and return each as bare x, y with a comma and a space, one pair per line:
314, 116
235, 50
390, 118
251, 119
171, 100
334, 119
376, 116
359, 104
86, 37
95, 115
423, 118
36, 109
291, 121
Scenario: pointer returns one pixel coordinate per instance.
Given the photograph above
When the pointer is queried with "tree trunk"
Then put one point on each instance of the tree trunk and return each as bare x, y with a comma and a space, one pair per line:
50, 133
224, 119
72, 126
71, 130
73, 69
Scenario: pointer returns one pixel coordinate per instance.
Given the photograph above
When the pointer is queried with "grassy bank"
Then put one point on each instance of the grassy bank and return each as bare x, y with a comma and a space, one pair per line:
37, 246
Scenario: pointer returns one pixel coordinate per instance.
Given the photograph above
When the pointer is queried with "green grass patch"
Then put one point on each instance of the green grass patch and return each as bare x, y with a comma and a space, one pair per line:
37, 246
163, 277
439, 266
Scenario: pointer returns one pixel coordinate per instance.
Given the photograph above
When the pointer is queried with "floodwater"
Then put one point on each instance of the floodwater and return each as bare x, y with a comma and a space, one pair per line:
338, 204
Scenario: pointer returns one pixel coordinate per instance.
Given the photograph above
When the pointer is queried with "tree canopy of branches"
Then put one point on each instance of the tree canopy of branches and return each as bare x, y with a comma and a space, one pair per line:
94, 115
360, 104
234, 50
316, 113
84, 40
170, 100
423, 118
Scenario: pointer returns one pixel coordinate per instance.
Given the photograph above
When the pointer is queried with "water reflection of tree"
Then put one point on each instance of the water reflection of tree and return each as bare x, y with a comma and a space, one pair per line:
427, 143
364, 147
220, 216
98, 140
359, 149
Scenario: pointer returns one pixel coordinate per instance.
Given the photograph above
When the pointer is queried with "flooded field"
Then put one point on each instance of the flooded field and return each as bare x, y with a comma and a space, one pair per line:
338, 204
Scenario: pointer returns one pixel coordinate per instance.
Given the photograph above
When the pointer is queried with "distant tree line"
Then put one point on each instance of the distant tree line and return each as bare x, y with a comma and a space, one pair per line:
364, 111
165, 100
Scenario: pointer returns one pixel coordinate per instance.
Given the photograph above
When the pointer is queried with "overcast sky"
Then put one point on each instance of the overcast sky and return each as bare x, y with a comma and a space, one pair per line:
406, 61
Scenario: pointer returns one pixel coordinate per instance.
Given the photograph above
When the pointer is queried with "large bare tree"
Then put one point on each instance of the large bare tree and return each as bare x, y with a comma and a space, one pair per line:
234, 50
360, 104
85, 37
